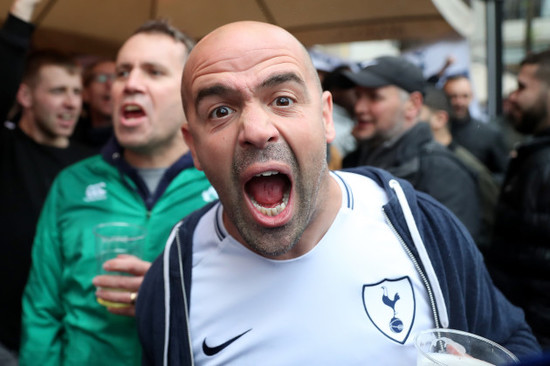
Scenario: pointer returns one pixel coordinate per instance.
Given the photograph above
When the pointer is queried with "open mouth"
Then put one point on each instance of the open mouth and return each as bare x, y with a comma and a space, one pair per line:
67, 117
132, 111
269, 192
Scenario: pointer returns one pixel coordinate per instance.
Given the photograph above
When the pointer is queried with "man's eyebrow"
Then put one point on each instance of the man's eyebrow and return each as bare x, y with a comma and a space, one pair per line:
222, 90
146, 64
124, 65
214, 90
282, 78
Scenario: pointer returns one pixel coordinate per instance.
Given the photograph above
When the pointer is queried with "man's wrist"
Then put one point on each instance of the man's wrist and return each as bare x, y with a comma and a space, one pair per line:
24, 9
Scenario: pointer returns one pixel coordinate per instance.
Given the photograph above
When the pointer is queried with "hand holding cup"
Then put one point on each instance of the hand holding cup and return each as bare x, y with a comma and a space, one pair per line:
119, 292
120, 270
449, 347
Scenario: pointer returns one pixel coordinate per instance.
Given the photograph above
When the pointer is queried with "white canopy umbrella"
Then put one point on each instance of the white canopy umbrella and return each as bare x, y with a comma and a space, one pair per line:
100, 26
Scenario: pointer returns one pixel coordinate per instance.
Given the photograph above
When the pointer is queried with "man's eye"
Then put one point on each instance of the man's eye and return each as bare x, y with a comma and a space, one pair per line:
155, 72
221, 112
283, 101
122, 73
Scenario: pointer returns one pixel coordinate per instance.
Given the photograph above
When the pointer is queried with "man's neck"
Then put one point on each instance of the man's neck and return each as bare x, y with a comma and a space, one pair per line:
158, 158
28, 125
443, 137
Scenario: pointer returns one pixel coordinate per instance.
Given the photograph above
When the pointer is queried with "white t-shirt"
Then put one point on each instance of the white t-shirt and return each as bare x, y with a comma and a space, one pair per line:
354, 299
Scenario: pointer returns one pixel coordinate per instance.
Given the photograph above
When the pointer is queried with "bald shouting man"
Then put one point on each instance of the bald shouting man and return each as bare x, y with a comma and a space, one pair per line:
298, 265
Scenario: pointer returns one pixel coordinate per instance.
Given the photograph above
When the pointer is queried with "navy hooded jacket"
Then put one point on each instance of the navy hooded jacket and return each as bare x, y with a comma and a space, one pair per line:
460, 290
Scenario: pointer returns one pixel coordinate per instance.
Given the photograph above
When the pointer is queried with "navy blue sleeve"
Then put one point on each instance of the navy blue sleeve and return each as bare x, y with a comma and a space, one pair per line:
150, 313
473, 303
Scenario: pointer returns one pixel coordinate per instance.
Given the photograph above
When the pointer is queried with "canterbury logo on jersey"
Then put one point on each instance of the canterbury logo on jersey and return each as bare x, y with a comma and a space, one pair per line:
391, 306
95, 192
209, 195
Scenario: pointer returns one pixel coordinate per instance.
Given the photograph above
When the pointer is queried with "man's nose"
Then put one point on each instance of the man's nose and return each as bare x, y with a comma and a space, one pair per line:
133, 82
72, 99
257, 128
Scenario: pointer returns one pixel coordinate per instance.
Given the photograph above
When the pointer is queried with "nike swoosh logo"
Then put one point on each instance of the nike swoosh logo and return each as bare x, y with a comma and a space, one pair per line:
211, 351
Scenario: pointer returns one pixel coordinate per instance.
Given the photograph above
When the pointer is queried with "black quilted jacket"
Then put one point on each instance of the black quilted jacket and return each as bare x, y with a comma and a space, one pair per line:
520, 253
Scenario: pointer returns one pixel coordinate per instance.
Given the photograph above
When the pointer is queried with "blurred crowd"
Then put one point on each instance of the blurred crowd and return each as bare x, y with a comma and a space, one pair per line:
85, 143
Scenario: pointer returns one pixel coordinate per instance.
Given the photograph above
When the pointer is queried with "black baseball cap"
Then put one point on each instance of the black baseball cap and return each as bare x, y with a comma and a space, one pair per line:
389, 70
435, 99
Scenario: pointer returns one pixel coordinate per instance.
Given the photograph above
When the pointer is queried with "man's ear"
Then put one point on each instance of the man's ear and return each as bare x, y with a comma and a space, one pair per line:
413, 106
24, 95
191, 144
330, 132
417, 100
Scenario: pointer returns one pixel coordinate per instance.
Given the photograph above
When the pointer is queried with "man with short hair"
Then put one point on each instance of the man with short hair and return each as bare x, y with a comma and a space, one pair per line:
95, 127
343, 98
47, 86
520, 256
298, 265
436, 111
484, 140
145, 176
50, 97
391, 136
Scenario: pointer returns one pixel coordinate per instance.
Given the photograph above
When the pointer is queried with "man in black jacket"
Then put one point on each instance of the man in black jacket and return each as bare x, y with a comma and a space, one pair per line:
389, 100
484, 140
47, 85
436, 112
520, 253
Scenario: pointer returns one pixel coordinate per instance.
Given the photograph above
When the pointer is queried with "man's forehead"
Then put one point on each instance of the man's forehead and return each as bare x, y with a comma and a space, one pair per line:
528, 71
254, 66
149, 47
241, 59
461, 84
248, 81
56, 73
245, 40
244, 49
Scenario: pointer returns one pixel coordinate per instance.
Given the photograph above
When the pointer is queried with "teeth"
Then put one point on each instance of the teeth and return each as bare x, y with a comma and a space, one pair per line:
132, 108
273, 211
66, 116
267, 174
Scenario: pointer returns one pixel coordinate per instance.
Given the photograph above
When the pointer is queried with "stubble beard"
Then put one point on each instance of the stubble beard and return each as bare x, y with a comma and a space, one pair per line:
51, 130
533, 117
277, 241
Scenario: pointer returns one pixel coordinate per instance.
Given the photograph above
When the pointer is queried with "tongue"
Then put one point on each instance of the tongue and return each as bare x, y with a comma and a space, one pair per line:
268, 191
133, 114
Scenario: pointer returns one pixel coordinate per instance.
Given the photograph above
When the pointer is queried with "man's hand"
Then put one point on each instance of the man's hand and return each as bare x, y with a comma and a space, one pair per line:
122, 290
24, 9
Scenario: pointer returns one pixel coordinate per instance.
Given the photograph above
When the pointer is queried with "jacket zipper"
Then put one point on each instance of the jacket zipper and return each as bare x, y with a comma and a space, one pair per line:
418, 269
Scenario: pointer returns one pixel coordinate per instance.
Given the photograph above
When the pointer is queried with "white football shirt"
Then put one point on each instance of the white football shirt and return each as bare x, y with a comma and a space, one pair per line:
354, 299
